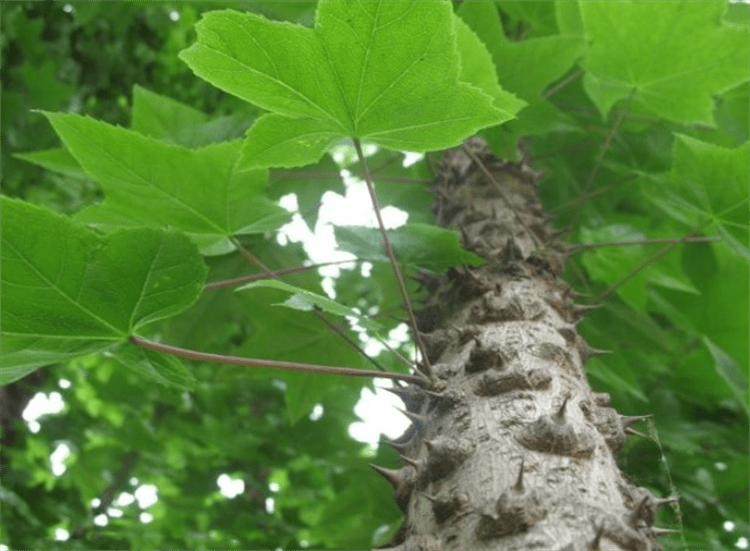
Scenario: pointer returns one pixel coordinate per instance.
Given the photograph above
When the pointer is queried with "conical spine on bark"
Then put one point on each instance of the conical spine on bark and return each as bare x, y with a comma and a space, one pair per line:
402, 481
413, 397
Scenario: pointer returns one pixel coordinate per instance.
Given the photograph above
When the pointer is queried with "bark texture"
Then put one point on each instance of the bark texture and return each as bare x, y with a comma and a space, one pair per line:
511, 449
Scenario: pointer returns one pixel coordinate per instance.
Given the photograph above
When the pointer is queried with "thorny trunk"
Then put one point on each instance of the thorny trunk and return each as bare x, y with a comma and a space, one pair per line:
511, 449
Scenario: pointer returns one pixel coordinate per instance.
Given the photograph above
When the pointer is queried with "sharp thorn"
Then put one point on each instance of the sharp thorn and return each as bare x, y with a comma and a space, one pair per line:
395, 478
635, 432
627, 420
638, 512
560, 414
419, 420
416, 463
400, 448
659, 532
518, 487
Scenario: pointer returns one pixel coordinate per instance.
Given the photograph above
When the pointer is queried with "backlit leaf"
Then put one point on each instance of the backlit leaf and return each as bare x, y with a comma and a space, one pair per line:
67, 291
154, 184
367, 70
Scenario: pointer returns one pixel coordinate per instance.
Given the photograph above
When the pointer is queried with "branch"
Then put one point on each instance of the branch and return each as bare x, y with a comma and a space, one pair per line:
395, 179
288, 366
650, 260
265, 275
392, 258
677, 240
602, 151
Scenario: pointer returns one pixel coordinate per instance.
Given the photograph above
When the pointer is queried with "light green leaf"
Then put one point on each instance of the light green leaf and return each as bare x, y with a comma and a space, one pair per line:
67, 291
477, 67
282, 142
517, 63
368, 70
306, 301
419, 245
674, 56
153, 184
57, 160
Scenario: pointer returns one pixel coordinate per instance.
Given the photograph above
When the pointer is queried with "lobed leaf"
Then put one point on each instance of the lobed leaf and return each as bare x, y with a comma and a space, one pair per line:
672, 56
67, 291
385, 72
154, 184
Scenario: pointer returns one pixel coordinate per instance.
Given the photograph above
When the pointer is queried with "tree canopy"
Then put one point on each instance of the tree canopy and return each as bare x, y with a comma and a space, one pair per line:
147, 147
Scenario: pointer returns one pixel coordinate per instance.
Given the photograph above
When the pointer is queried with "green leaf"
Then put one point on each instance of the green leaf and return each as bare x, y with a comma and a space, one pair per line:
160, 116
153, 366
419, 245
153, 184
709, 183
368, 70
520, 73
728, 369
67, 291
477, 67
169, 120
517, 62
57, 160
536, 18
306, 301
673, 56
275, 140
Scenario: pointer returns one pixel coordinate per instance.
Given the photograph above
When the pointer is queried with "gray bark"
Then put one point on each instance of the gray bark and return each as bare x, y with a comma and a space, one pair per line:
511, 449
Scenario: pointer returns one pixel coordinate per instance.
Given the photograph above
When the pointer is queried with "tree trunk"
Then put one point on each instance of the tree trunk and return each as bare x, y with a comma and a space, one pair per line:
512, 449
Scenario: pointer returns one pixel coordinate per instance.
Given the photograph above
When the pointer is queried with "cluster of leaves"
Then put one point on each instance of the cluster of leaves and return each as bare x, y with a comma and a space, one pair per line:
635, 111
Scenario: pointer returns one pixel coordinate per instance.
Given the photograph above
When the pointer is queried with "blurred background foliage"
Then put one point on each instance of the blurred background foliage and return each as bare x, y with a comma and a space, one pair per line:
306, 481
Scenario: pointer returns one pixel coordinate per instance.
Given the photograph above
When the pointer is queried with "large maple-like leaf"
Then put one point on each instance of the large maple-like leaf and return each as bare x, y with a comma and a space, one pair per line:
383, 71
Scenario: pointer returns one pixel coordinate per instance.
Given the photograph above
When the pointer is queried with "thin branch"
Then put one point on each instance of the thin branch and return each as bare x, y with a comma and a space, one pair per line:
499, 189
563, 83
650, 260
585, 197
265, 275
254, 260
677, 240
602, 151
392, 257
340, 332
408, 179
288, 366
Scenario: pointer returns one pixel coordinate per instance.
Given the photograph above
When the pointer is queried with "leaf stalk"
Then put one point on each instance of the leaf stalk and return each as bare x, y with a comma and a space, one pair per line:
392, 257
288, 366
